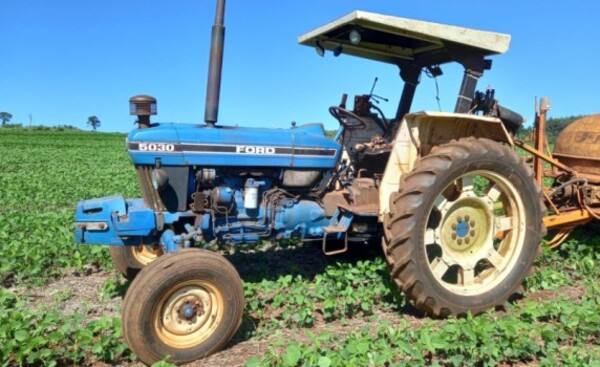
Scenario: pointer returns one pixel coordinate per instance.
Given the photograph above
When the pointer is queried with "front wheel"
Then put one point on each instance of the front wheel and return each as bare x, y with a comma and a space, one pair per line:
130, 260
184, 306
465, 228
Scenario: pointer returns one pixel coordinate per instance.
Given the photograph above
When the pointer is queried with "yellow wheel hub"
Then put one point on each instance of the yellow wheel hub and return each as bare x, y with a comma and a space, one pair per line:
189, 314
466, 226
476, 240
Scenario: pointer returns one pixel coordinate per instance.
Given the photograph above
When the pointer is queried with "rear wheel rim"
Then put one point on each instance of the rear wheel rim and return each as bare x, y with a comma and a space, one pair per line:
188, 314
475, 233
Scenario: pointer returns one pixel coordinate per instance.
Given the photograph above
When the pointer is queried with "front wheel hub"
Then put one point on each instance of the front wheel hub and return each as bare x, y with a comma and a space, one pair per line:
187, 312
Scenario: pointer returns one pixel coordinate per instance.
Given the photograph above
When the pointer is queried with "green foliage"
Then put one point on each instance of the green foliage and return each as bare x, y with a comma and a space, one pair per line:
550, 329
57, 128
555, 125
343, 290
43, 176
113, 287
486, 340
322, 303
163, 364
30, 337
330, 133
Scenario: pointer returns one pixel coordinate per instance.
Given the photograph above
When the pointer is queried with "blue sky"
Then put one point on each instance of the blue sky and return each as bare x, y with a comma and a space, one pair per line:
64, 60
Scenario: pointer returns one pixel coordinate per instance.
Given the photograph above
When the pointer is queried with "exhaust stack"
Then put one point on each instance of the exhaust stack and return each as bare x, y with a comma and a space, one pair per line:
214, 67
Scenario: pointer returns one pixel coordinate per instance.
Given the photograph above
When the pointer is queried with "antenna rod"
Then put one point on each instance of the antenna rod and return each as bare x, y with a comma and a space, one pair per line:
213, 87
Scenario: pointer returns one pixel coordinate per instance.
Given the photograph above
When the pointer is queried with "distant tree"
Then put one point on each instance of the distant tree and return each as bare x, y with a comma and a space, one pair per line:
524, 133
5, 117
94, 122
555, 125
330, 134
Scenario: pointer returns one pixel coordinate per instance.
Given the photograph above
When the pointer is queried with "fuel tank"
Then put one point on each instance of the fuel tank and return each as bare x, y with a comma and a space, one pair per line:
304, 146
578, 146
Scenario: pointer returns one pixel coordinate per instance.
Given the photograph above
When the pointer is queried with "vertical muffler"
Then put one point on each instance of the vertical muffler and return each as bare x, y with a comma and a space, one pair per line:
215, 65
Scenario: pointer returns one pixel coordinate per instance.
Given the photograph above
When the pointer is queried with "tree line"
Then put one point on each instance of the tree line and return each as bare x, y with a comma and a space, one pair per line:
92, 121
554, 126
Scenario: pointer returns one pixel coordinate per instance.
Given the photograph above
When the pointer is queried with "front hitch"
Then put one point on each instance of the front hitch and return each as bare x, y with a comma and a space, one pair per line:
113, 221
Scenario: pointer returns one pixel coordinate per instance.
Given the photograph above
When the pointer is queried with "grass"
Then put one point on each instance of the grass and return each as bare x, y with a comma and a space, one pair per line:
303, 309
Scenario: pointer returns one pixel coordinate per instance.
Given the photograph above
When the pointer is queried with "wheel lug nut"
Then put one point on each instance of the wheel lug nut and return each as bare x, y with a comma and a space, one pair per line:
453, 226
467, 240
472, 233
453, 235
472, 223
467, 217
459, 241
459, 219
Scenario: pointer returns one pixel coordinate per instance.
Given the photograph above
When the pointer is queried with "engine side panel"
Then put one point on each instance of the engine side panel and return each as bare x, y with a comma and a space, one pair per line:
180, 144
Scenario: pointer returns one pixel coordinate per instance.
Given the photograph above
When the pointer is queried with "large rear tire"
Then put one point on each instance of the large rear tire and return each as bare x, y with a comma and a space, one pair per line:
465, 228
129, 260
182, 307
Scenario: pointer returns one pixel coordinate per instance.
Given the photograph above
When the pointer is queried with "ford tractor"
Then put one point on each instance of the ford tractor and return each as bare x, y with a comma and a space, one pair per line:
458, 212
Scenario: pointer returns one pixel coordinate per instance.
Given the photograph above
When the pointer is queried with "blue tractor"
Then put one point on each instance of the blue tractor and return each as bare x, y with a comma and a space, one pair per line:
457, 211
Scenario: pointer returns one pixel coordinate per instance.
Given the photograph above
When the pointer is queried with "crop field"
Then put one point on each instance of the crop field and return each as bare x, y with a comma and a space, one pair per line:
60, 304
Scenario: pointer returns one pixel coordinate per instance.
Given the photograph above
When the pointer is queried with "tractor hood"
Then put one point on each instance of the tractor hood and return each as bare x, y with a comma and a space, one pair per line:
304, 146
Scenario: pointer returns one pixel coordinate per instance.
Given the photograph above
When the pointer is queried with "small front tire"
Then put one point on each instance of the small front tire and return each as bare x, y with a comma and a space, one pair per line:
130, 260
182, 307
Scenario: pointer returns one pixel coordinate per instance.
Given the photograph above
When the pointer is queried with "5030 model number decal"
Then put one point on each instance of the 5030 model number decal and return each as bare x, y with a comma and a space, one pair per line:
156, 147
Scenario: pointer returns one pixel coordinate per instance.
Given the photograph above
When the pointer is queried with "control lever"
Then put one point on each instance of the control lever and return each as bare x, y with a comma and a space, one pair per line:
343, 102
375, 97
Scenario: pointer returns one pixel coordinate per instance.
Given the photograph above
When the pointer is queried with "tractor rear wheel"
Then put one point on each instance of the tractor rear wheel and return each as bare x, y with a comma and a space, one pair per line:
129, 260
465, 228
184, 306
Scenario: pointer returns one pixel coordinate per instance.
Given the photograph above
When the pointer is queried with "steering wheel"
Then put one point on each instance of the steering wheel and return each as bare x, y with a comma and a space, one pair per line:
342, 115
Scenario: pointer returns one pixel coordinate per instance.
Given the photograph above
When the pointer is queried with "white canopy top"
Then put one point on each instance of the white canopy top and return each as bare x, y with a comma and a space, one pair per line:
391, 39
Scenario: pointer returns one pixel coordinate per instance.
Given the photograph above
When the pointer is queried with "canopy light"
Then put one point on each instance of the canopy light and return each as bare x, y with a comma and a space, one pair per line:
320, 49
354, 37
338, 51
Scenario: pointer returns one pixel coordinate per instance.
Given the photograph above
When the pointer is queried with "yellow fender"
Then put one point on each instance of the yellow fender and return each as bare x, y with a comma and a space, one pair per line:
421, 131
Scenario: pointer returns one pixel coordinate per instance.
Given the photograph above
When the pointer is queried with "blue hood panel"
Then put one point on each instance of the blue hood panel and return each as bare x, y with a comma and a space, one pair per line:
183, 144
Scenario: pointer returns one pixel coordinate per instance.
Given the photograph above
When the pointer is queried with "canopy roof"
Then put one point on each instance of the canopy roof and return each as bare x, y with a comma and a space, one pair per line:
395, 40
